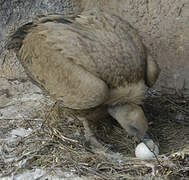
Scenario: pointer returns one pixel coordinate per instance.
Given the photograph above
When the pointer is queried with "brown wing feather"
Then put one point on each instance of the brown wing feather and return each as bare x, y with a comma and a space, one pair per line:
77, 58
59, 75
105, 45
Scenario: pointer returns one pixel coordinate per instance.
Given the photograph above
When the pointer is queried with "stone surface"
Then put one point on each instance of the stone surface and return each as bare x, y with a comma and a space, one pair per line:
163, 26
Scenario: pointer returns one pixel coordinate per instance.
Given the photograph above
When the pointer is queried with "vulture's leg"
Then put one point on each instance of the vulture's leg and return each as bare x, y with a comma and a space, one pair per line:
97, 114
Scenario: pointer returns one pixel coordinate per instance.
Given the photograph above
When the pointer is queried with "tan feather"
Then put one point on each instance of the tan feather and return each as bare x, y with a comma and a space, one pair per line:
93, 62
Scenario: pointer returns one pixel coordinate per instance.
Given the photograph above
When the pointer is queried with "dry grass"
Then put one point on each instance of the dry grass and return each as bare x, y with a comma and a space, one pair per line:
58, 142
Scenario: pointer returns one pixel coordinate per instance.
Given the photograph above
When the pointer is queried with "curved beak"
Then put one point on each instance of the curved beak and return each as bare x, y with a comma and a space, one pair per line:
146, 137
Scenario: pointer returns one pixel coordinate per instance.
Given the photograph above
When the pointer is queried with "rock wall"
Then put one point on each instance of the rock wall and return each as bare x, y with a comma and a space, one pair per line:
163, 25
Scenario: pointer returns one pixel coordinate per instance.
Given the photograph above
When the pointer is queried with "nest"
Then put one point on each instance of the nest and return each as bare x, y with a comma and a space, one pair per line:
58, 142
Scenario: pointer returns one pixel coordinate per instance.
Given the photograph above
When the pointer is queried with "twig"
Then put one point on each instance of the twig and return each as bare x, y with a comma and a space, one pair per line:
63, 137
95, 172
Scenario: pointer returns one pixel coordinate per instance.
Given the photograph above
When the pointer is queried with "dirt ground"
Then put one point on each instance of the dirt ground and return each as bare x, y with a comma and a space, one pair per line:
50, 141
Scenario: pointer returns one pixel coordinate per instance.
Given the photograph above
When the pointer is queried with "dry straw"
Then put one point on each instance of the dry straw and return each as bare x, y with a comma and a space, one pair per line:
58, 141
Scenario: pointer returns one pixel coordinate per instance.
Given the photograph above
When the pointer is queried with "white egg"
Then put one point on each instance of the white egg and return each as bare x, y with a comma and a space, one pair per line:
143, 152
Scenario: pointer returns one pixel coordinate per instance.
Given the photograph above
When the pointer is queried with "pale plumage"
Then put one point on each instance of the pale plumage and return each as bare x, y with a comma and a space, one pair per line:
94, 60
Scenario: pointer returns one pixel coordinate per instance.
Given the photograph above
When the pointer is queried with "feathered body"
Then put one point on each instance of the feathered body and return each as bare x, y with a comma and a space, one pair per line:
87, 61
